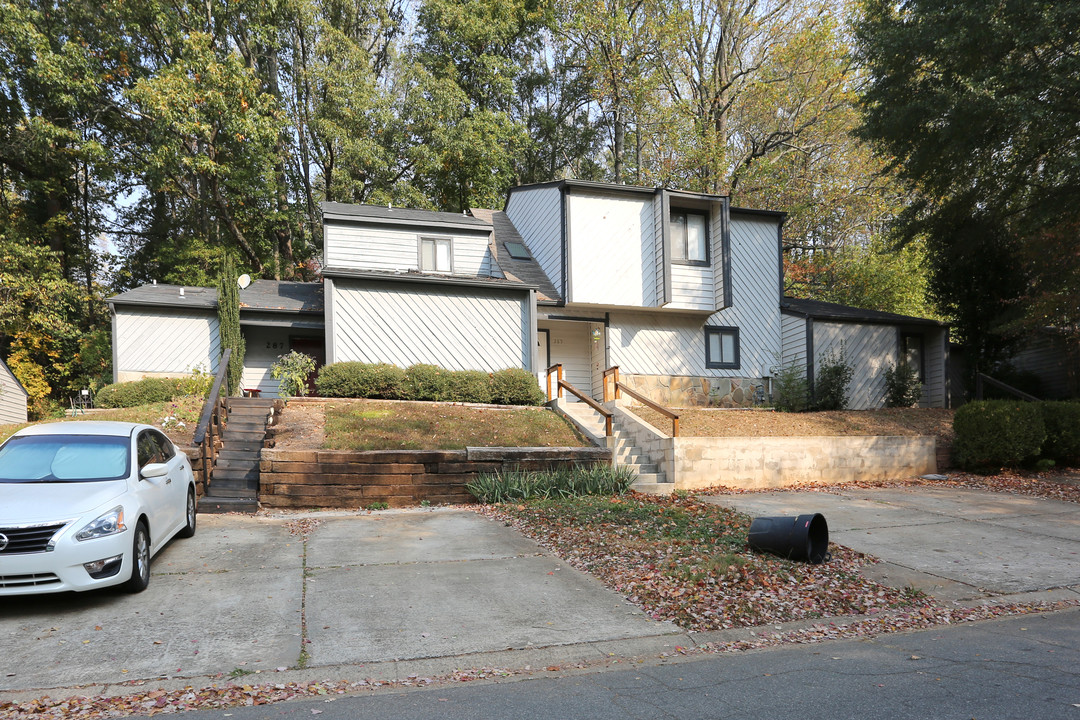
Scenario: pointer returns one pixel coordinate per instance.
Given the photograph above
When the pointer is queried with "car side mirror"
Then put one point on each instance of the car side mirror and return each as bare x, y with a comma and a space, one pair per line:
154, 470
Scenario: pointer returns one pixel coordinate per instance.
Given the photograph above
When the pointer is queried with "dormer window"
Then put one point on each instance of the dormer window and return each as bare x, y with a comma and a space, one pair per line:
435, 255
689, 237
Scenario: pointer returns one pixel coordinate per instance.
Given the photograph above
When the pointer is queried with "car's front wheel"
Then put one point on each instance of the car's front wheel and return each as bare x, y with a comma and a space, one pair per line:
140, 560
189, 529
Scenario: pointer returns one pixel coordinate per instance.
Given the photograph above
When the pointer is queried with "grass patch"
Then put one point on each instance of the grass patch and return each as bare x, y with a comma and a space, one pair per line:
373, 425
687, 561
184, 411
564, 482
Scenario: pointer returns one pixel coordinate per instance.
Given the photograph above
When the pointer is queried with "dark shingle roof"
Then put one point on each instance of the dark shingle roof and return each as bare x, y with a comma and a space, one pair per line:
832, 311
527, 271
261, 295
380, 213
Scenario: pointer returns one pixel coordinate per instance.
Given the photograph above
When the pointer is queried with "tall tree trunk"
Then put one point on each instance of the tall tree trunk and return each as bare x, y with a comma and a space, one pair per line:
620, 143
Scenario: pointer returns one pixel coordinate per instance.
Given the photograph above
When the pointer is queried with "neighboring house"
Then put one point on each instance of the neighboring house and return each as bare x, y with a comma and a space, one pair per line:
872, 342
13, 397
167, 330
1048, 355
680, 290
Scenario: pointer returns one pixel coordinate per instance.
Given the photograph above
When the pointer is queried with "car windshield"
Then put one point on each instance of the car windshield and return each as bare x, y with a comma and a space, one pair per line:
64, 458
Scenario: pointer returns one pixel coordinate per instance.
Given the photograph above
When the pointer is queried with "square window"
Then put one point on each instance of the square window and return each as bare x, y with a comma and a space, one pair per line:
722, 347
689, 237
435, 255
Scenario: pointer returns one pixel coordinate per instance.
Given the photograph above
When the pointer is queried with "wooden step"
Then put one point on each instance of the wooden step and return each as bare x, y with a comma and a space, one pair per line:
249, 447
217, 504
228, 491
250, 461
221, 473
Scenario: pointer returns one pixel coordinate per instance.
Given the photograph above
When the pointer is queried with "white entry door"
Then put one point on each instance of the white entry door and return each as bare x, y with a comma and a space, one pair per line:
570, 345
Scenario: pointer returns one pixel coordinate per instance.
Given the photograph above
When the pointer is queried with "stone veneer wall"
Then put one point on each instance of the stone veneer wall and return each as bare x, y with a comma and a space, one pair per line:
772, 462
684, 391
350, 479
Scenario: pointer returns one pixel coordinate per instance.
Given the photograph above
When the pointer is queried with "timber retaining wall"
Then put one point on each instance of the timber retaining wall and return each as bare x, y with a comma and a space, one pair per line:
399, 478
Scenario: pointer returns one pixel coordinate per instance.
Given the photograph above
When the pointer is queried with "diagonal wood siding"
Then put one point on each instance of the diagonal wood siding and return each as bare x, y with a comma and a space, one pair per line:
870, 349
611, 250
755, 308
169, 340
537, 215
12, 398
793, 340
454, 328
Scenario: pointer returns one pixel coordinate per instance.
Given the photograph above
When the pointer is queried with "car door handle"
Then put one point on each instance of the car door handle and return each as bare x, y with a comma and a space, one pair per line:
168, 481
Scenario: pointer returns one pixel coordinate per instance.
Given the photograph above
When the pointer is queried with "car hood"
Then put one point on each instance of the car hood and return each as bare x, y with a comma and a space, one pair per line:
46, 502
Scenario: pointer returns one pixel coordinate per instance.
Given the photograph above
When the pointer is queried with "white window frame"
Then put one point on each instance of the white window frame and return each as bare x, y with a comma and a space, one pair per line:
436, 241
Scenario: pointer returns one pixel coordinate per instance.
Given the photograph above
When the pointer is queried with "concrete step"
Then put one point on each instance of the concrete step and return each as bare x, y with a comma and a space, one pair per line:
644, 468
653, 478
652, 488
218, 504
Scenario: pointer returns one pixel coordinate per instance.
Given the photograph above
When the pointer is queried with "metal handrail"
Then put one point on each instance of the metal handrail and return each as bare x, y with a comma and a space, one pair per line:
621, 387
213, 419
981, 378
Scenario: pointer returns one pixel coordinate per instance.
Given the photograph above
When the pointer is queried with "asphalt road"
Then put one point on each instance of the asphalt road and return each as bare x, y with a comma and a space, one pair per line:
1024, 667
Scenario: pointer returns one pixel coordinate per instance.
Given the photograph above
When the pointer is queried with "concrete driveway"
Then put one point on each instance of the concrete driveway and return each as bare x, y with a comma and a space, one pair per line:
956, 544
246, 595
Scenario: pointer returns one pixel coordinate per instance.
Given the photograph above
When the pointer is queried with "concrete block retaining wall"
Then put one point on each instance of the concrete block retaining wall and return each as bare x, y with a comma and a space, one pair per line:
349, 479
770, 462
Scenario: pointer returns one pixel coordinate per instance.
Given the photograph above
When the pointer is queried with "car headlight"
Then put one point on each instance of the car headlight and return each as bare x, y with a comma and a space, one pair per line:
110, 523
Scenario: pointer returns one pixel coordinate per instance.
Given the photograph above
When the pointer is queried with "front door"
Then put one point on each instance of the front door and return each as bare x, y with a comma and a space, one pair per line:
313, 347
570, 345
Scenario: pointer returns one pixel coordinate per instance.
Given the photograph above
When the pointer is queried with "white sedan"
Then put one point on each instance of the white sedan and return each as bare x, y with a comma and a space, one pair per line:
85, 505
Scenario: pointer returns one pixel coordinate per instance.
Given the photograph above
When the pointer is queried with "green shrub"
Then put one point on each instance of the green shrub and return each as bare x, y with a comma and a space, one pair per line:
515, 386
469, 386
519, 485
833, 376
791, 393
361, 380
198, 382
138, 392
292, 372
1062, 423
426, 382
992, 434
902, 386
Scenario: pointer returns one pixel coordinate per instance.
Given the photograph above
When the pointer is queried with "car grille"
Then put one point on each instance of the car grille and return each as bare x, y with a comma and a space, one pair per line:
19, 581
33, 539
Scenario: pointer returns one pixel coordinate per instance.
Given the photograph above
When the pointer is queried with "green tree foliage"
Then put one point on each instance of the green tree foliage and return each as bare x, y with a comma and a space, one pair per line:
229, 324
976, 104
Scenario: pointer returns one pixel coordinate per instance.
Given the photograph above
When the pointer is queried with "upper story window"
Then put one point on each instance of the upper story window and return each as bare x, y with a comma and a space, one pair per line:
435, 255
689, 237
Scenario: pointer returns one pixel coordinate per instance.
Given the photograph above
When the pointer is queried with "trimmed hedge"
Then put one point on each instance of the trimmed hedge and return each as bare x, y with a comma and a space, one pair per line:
428, 382
139, 392
1062, 423
992, 434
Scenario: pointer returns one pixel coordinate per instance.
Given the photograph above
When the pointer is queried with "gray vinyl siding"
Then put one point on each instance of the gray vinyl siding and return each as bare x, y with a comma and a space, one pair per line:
167, 340
12, 398
392, 249
659, 344
611, 250
692, 288
537, 215
793, 340
662, 293
870, 349
716, 214
454, 328
755, 308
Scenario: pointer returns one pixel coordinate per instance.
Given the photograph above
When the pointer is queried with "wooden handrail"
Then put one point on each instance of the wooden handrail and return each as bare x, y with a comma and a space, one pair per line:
211, 421
557, 368
611, 371
981, 378
620, 387
563, 385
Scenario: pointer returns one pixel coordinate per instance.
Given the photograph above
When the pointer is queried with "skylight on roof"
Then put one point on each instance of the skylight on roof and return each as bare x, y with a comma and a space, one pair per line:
517, 250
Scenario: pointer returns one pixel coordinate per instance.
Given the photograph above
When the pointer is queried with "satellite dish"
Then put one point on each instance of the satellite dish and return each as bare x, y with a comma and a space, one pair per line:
243, 281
